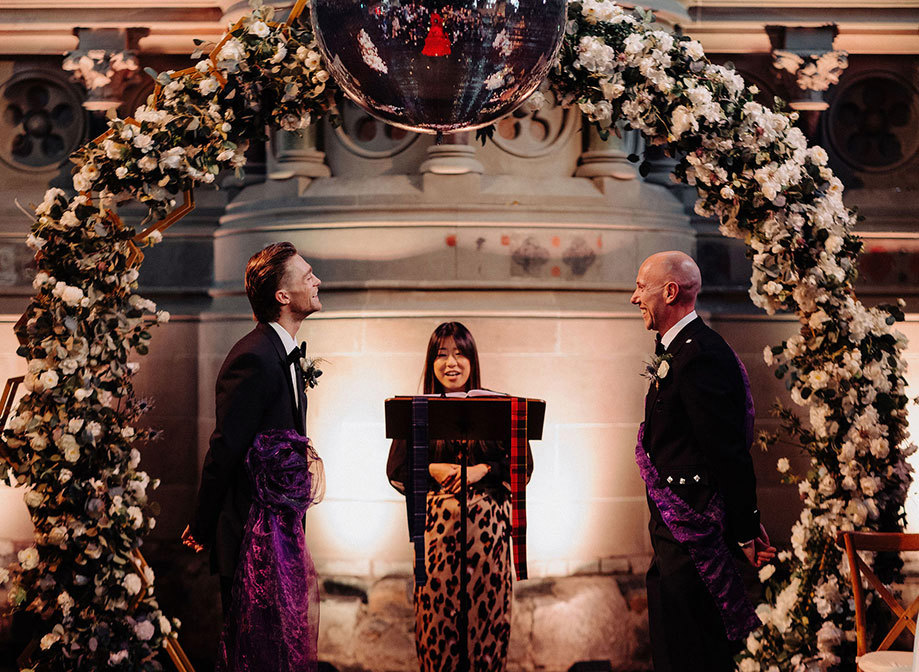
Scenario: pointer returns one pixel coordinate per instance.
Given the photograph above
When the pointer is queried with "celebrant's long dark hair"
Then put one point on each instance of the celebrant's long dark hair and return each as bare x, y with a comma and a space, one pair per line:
465, 343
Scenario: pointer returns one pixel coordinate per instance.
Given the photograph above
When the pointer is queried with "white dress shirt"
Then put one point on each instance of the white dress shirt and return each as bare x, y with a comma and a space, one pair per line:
675, 330
289, 344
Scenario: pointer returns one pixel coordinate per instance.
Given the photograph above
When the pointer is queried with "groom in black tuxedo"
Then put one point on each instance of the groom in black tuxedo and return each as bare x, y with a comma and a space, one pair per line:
259, 388
696, 436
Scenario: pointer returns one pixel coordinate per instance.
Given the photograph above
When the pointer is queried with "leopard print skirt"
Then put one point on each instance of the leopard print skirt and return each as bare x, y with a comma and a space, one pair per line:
437, 602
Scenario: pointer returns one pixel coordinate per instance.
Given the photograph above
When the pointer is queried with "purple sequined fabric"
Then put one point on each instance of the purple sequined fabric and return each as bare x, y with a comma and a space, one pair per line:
702, 534
273, 624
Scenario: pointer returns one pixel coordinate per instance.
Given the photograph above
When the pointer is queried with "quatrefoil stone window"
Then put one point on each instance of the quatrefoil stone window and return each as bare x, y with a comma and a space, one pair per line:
41, 121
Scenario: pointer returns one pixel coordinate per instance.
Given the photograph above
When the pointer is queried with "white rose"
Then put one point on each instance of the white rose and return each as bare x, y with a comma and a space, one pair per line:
58, 535
663, 369
681, 121
857, 512
818, 155
49, 379
749, 665
142, 141
172, 159
165, 625
259, 29
208, 85
82, 394
33, 498
80, 183
49, 640
132, 584
118, 656
68, 444
144, 630
69, 219
65, 602
693, 49
870, 485
72, 295
783, 465
828, 637
28, 558
879, 448
147, 163
818, 379
310, 58
136, 517
35, 243
41, 279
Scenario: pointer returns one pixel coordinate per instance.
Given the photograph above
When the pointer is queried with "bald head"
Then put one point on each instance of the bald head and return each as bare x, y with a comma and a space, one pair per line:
680, 268
666, 289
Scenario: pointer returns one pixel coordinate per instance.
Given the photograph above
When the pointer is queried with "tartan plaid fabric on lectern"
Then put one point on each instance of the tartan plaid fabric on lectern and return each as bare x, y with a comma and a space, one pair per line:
519, 484
417, 487
416, 498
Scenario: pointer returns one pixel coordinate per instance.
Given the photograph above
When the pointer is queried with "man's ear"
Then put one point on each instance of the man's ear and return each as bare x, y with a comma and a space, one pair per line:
282, 297
671, 293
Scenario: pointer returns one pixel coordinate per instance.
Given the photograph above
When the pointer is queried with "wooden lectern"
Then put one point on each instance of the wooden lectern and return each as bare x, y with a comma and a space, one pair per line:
463, 419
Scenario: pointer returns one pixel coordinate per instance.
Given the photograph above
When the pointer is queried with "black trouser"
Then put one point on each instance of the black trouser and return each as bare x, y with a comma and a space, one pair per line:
226, 592
687, 631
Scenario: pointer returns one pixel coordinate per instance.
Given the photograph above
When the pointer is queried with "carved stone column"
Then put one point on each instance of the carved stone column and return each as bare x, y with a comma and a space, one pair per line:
293, 155
605, 160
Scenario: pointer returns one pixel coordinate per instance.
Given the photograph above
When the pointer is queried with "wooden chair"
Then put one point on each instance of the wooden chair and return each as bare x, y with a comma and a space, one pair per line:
882, 659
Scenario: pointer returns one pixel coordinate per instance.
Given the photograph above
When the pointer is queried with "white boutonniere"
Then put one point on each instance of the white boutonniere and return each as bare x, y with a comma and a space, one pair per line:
658, 368
311, 372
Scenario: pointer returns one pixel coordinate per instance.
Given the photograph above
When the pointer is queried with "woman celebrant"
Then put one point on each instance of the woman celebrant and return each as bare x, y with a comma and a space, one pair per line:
452, 365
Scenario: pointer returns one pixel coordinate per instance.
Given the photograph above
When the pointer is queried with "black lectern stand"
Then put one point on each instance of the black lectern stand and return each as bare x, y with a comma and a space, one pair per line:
463, 419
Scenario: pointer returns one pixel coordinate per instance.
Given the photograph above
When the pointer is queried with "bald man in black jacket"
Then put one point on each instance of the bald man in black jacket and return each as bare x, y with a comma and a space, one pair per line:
696, 435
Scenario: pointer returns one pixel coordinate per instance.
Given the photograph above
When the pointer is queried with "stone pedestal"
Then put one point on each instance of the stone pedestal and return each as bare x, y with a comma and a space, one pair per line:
295, 155
454, 156
605, 159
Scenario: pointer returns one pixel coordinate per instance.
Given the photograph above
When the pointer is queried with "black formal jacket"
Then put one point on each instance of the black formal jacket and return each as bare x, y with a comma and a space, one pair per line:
255, 394
695, 430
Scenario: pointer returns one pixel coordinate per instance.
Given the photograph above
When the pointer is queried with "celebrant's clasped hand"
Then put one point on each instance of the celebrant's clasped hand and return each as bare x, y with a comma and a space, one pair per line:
448, 475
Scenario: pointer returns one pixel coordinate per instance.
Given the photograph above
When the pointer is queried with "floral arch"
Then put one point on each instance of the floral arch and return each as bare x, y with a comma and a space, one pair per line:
71, 439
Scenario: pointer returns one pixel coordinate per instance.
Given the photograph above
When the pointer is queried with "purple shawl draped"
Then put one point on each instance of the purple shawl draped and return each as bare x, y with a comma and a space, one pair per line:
702, 535
273, 623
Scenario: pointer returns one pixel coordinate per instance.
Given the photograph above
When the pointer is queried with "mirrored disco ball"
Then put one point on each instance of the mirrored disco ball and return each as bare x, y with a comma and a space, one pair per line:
439, 66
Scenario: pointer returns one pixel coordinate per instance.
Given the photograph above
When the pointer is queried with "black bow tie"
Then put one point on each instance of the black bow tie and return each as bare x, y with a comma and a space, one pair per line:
295, 355
659, 348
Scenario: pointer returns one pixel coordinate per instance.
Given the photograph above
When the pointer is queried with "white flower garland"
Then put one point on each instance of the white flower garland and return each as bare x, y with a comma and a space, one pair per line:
70, 442
754, 171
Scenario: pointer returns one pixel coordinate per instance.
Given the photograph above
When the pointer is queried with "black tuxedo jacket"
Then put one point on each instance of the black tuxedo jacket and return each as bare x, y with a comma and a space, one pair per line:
695, 430
254, 395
